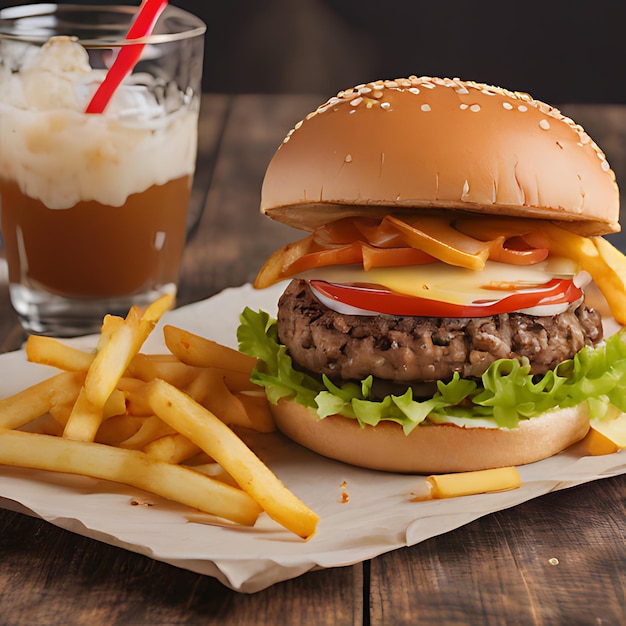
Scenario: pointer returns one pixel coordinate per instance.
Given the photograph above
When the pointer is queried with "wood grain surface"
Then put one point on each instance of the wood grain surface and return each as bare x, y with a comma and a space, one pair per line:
558, 559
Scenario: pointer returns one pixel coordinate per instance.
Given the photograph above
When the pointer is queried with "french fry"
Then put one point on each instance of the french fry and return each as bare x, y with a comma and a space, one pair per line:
110, 324
210, 390
84, 419
195, 350
258, 410
113, 359
135, 393
22, 407
210, 434
52, 352
151, 428
172, 448
155, 311
129, 467
237, 381
167, 367
471, 483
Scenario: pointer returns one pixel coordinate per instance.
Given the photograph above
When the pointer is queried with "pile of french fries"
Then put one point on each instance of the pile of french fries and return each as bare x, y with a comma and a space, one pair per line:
161, 423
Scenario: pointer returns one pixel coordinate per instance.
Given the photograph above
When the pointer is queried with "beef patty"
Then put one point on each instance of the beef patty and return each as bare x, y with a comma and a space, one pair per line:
415, 349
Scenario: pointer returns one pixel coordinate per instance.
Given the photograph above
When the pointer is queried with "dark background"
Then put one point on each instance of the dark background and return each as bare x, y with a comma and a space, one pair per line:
557, 51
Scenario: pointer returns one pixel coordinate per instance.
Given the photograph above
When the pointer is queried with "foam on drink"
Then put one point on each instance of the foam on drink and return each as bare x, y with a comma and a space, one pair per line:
137, 143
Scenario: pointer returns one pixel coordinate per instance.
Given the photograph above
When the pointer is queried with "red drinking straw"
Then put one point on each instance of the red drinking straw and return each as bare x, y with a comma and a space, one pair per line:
148, 14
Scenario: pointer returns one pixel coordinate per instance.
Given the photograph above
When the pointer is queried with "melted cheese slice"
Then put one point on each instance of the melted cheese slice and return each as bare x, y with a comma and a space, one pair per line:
448, 283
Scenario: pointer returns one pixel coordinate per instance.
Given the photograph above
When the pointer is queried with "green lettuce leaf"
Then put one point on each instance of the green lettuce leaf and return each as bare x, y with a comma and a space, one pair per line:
506, 393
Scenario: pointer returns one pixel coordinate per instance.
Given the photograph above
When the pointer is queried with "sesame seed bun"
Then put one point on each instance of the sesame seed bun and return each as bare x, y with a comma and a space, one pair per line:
422, 143
431, 449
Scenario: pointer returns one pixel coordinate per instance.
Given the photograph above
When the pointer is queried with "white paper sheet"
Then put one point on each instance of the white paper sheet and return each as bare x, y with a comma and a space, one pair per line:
378, 516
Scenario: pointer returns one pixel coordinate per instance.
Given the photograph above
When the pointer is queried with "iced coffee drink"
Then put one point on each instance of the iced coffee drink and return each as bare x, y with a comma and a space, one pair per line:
93, 206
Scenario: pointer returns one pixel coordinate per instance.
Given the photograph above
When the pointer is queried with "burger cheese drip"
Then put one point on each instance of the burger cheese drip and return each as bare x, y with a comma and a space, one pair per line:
448, 266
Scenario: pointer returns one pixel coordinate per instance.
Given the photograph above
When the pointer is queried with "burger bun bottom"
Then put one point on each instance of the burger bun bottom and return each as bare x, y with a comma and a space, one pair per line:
436, 449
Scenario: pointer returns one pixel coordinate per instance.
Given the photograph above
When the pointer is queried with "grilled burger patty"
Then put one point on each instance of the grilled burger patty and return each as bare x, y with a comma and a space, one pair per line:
416, 349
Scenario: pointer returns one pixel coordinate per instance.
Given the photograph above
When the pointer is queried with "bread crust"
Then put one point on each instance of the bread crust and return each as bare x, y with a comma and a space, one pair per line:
433, 449
424, 143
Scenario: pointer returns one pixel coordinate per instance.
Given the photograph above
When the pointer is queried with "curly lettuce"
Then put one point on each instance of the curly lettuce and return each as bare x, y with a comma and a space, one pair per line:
506, 394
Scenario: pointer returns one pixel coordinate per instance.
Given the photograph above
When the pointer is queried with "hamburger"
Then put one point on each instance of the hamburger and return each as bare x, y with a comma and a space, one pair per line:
443, 311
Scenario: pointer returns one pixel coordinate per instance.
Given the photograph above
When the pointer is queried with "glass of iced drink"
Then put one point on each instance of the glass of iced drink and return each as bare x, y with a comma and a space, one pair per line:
94, 206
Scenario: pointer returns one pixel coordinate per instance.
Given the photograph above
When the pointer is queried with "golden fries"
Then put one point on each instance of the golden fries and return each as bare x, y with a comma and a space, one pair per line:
210, 434
195, 350
130, 467
50, 351
26, 405
470, 483
134, 418
172, 448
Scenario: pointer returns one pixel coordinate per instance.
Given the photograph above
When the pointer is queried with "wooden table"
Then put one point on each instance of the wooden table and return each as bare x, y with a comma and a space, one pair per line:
559, 559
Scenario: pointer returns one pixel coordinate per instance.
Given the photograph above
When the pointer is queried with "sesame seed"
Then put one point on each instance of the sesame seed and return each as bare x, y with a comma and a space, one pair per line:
429, 85
414, 90
544, 124
356, 101
348, 158
298, 125
462, 91
378, 94
522, 108
425, 107
507, 105
463, 106
475, 108
385, 105
605, 166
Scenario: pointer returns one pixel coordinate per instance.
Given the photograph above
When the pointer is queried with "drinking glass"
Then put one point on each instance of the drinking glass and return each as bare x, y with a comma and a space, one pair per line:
94, 205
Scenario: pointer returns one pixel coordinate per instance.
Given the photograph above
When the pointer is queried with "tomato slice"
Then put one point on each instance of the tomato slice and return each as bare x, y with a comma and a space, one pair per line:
380, 300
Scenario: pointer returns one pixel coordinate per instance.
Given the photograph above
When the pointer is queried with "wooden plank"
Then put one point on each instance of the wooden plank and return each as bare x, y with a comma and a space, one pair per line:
553, 560
51, 576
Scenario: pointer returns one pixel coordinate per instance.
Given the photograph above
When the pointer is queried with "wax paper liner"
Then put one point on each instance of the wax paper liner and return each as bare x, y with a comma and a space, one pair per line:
377, 517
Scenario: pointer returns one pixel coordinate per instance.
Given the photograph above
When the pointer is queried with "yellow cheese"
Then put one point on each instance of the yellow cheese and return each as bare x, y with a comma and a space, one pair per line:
613, 427
447, 283
596, 444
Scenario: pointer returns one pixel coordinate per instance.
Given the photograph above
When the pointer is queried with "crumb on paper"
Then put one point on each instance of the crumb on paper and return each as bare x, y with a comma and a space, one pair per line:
553, 561
345, 496
141, 502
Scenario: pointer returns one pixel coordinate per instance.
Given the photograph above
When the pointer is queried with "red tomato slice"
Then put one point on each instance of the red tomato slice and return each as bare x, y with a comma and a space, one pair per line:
381, 300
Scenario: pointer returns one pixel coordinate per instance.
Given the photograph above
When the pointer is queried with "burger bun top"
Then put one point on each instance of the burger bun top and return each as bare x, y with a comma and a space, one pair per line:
428, 143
